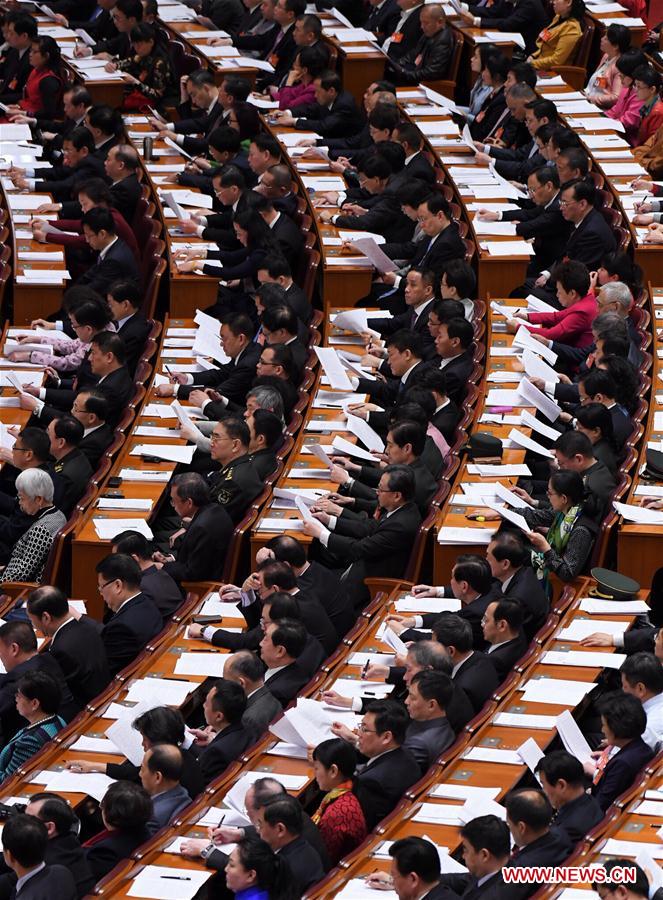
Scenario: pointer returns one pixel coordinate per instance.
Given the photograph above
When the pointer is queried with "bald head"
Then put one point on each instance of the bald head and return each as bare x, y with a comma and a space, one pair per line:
161, 768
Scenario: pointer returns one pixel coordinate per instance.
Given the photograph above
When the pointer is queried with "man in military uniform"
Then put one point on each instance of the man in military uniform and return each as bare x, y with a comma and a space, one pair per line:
236, 483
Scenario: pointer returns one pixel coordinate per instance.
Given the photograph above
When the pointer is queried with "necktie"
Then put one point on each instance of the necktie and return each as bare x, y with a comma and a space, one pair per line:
413, 319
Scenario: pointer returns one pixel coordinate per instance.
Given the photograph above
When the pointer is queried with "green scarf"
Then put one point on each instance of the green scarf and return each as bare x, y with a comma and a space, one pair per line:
558, 537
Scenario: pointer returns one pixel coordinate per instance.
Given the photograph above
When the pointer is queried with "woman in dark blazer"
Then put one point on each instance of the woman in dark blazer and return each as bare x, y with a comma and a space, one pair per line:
125, 810
616, 766
494, 73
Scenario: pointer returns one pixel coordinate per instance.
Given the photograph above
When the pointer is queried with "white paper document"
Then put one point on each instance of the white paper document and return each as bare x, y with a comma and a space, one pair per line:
558, 691
333, 368
168, 452
166, 690
582, 628
168, 882
68, 782
641, 515
572, 737
206, 664
107, 529
583, 658
527, 443
361, 429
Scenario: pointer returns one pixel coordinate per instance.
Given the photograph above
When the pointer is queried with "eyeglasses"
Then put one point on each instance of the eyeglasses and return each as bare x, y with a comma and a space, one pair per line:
217, 438
365, 730
20, 449
100, 587
567, 202
382, 490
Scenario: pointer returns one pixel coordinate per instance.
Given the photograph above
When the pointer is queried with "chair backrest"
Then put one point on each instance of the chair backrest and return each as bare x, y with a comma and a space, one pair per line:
139, 394
584, 45
312, 258
156, 268
118, 440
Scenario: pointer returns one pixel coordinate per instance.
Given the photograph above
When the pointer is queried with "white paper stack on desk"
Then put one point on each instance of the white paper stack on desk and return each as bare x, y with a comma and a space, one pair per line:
310, 722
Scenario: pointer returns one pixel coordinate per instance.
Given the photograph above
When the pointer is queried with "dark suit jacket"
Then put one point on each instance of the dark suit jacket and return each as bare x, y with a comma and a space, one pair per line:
621, 771
478, 678
342, 118
527, 588
128, 631
286, 684
261, 708
428, 60
446, 420
62, 850
448, 245
417, 167
491, 110
576, 818
264, 462
119, 263
162, 590
289, 237
15, 74
52, 881
165, 807
505, 656
590, 241
201, 555
466, 887
381, 784
202, 123
104, 854
126, 194
384, 217
134, 334
549, 850
427, 740
79, 651
304, 862
281, 57
60, 180
232, 379
524, 16
457, 373
75, 472
411, 32
548, 228
326, 586
383, 21
227, 746
384, 553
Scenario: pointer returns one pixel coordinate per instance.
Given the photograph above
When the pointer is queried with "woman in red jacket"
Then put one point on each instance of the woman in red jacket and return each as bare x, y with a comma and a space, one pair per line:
572, 324
42, 96
339, 817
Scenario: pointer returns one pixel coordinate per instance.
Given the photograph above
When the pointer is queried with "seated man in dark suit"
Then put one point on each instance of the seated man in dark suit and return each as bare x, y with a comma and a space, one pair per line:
429, 733
277, 270
155, 582
386, 549
430, 58
231, 380
280, 824
200, 554
314, 579
473, 670
454, 344
407, 29
416, 866
574, 452
280, 327
248, 671
71, 464
18, 653
287, 234
404, 366
61, 181
21, 31
115, 261
135, 619
334, 113
280, 648
160, 774
63, 847
74, 643
24, 842
419, 294
486, 848
121, 166
107, 362
390, 769
509, 557
598, 386
528, 815
225, 738
125, 300
502, 629
90, 407
564, 783
266, 431
200, 114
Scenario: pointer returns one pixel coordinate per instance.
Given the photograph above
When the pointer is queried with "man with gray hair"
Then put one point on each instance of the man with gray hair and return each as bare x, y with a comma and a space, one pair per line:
421, 656
246, 669
30, 554
198, 549
261, 792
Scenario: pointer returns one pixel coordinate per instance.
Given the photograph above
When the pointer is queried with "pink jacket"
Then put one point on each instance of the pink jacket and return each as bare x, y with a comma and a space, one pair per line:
65, 354
627, 110
296, 95
605, 84
572, 326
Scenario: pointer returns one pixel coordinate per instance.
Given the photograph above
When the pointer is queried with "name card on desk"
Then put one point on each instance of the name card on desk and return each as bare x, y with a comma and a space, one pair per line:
558, 691
169, 883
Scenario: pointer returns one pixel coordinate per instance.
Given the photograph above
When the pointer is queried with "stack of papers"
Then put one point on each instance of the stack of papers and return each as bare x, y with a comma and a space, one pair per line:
169, 882
310, 722
107, 529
